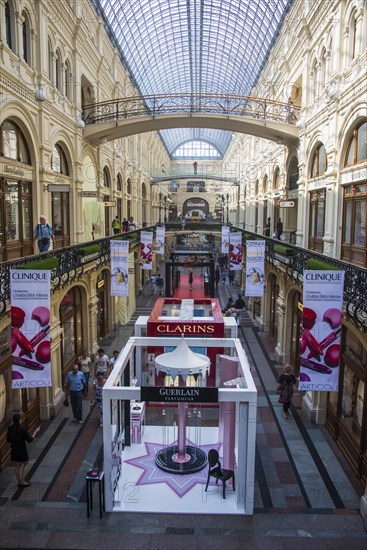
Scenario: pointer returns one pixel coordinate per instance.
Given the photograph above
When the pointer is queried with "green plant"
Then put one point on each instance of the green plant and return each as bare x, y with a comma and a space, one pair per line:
47, 263
319, 265
283, 250
88, 250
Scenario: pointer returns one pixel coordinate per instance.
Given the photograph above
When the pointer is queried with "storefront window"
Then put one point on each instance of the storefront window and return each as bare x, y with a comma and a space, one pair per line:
354, 245
71, 321
352, 401
27, 211
12, 211
317, 220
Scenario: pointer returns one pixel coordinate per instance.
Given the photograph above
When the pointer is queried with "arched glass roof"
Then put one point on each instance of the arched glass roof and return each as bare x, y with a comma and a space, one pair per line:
194, 46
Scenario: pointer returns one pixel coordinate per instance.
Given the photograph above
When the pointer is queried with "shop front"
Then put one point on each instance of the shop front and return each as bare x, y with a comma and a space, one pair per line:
153, 431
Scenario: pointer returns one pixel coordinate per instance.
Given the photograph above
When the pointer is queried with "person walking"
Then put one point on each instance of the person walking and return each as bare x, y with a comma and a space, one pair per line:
195, 166
191, 279
125, 225
132, 224
115, 355
217, 276
285, 388
279, 229
116, 226
17, 436
76, 386
231, 276
43, 234
98, 384
160, 284
267, 228
102, 364
84, 363
153, 283
239, 303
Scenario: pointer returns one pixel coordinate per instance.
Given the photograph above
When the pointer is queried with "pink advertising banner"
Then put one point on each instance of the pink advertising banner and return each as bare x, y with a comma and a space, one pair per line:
146, 252
235, 251
322, 320
30, 328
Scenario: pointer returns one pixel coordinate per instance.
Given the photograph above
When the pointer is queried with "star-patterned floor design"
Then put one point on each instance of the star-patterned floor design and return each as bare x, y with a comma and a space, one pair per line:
145, 488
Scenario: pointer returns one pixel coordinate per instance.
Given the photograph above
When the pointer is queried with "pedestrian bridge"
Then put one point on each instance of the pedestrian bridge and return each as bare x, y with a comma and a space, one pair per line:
260, 117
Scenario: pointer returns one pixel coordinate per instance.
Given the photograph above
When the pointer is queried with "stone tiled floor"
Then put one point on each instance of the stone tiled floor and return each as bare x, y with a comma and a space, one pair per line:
305, 493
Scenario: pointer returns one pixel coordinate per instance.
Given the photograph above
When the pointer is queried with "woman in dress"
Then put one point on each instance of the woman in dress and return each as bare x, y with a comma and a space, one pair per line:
285, 388
98, 384
17, 436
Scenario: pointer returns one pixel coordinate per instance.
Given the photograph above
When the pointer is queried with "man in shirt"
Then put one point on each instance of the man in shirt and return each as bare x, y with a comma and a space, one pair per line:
239, 303
102, 364
75, 386
43, 233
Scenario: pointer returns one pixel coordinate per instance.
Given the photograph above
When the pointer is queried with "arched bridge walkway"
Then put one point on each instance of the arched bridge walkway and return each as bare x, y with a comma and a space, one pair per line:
264, 118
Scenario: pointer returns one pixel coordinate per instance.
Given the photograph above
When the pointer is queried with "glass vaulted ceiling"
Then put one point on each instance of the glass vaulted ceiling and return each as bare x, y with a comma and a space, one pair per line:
195, 46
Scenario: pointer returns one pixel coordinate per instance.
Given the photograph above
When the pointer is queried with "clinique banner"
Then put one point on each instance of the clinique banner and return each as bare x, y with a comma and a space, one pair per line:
30, 328
322, 320
119, 268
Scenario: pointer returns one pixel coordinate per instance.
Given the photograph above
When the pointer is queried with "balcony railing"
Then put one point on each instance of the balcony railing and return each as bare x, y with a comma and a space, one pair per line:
68, 264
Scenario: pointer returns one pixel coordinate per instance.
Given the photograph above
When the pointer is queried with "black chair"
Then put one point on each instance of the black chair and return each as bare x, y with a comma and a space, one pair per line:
216, 471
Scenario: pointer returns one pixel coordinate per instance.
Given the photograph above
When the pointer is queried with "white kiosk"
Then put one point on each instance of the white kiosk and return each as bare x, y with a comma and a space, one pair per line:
178, 417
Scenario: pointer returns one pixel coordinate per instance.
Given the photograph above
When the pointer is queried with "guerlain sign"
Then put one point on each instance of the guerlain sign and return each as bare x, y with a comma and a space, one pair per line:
175, 394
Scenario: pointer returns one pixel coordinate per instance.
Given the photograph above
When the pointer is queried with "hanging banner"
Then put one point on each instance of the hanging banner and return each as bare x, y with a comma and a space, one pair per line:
225, 239
119, 268
146, 244
30, 328
321, 320
159, 240
255, 262
235, 251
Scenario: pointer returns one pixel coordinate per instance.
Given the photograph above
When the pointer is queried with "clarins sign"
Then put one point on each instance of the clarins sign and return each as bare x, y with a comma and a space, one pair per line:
174, 394
185, 329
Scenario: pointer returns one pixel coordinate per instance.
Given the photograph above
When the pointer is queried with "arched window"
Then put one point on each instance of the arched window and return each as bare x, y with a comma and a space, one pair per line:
71, 322
265, 184
49, 56
323, 69
256, 188
106, 177
353, 37
58, 63
59, 163
354, 236
357, 146
26, 31
319, 161
9, 25
143, 191
128, 186
67, 79
16, 218
119, 182
293, 173
315, 75
13, 143
276, 179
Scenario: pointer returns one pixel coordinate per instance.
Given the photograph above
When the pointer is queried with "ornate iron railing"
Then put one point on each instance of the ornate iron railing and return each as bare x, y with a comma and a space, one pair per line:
72, 261
155, 105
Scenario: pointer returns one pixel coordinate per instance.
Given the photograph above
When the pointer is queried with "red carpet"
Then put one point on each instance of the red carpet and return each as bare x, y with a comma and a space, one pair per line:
183, 290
